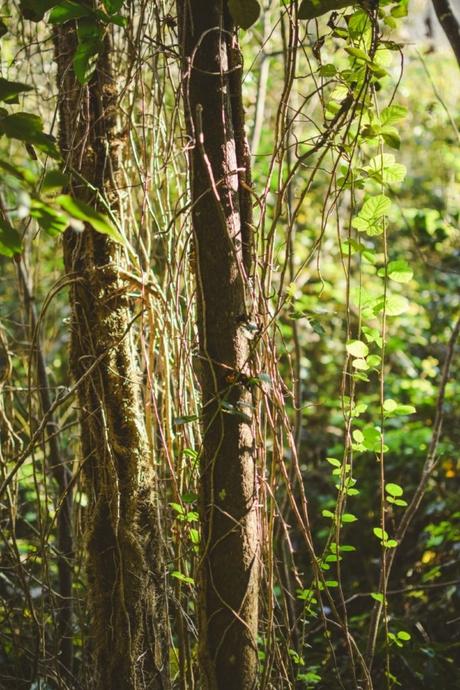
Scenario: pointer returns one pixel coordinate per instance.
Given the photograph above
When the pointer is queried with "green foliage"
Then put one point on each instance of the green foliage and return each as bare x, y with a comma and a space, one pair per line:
29, 129
244, 12
10, 90
68, 10
36, 9
113, 6
309, 9
82, 211
10, 241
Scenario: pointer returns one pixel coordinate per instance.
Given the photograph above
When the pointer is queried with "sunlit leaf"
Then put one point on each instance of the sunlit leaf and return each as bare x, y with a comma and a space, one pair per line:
394, 489
82, 211
356, 348
67, 10
380, 533
348, 517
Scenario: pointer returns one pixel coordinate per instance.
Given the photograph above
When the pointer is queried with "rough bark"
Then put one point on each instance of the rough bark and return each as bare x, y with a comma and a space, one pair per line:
124, 568
221, 217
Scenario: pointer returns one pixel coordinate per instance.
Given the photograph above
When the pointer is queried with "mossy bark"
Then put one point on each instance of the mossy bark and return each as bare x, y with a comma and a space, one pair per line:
124, 565
221, 216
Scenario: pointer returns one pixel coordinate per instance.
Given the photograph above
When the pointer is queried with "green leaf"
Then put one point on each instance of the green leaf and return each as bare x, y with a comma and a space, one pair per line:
113, 6
358, 53
375, 207
394, 489
29, 129
189, 497
356, 348
245, 13
359, 24
52, 222
348, 517
372, 438
380, 533
35, 9
360, 364
328, 70
390, 544
372, 229
334, 462
194, 536
81, 211
309, 9
183, 578
403, 635
10, 241
9, 90
358, 436
68, 10
394, 305
405, 409
400, 271
384, 169
117, 19
54, 179
85, 59
359, 408
352, 492
372, 335
401, 10
391, 137
389, 405
24, 174
310, 677
377, 596
327, 513
392, 637
397, 501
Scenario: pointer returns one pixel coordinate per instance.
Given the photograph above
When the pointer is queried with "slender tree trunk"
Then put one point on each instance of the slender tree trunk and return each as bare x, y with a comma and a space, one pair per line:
124, 569
450, 25
221, 216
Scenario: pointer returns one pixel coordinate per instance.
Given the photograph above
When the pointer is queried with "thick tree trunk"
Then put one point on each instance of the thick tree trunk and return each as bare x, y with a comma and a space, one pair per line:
123, 566
219, 180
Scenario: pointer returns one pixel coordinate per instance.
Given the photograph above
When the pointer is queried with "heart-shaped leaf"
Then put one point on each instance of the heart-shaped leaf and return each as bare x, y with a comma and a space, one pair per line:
245, 13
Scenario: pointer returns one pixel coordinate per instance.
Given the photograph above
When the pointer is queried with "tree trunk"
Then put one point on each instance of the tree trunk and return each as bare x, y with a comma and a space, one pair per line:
221, 216
450, 24
124, 569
